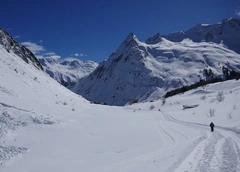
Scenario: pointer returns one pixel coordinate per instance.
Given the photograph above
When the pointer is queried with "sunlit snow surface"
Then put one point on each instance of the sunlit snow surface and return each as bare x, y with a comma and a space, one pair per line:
45, 127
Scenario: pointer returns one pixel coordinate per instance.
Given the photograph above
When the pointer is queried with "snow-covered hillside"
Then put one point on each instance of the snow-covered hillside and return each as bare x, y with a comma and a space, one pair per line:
146, 70
46, 127
30, 101
68, 71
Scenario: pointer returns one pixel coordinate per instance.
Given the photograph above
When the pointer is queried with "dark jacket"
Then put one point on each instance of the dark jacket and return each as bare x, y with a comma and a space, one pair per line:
212, 125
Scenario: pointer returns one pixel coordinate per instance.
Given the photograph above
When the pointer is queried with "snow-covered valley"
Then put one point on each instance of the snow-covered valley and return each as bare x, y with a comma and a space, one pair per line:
46, 127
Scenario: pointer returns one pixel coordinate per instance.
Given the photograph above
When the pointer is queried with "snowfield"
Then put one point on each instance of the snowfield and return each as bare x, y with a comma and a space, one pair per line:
45, 127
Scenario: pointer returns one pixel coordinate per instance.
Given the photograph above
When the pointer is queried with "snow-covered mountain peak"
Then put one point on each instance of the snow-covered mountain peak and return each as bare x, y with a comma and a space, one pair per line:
68, 71
231, 20
131, 37
71, 62
76, 63
227, 31
129, 48
206, 25
146, 70
131, 40
233, 24
230, 23
154, 39
48, 60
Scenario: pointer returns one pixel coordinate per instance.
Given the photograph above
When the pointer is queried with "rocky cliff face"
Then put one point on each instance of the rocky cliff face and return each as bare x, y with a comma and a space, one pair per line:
18, 49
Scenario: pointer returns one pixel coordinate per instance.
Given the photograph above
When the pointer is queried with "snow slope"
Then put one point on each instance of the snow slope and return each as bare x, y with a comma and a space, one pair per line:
45, 127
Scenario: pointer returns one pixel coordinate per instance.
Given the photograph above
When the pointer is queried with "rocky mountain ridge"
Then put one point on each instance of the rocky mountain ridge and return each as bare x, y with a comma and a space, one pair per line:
226, 32
18, 49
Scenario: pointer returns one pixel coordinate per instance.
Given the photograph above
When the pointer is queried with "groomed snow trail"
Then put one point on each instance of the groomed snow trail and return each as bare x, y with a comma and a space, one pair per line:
185, 147
218, 152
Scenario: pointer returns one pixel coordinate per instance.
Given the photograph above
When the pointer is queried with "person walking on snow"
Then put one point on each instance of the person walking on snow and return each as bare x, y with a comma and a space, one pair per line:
212, 126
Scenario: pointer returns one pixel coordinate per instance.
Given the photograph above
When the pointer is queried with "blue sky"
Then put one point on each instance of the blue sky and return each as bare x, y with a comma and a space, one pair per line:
93, 29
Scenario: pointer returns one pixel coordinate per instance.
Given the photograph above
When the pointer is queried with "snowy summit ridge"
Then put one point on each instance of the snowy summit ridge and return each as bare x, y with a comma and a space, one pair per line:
154, 39
147, 70
227, 31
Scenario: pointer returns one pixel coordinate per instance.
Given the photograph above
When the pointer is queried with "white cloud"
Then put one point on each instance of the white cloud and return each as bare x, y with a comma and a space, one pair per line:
237, 12
39, 51
36, 49
15, 37
39, 56
79, 55
56, 57
51, 55
71, 58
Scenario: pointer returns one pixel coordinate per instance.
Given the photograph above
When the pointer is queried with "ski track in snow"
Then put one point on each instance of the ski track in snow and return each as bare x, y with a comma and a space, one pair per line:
171, 139
8, 91
162, 131
219, 152
205, 157
9, 106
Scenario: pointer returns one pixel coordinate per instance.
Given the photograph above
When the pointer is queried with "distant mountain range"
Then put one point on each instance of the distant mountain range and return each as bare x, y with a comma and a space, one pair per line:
69, 70
146, 70
226, 32
66, 72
